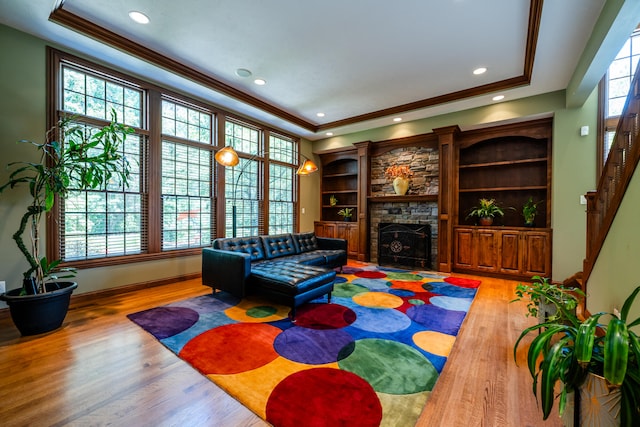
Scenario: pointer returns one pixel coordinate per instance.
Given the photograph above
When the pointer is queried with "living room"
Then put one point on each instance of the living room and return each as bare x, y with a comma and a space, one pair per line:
25, 108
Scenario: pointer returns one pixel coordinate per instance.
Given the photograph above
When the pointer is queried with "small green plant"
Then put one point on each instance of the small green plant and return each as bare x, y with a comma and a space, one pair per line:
332, 200
346, 213
538, 292
487, 208
566, 352
530, 210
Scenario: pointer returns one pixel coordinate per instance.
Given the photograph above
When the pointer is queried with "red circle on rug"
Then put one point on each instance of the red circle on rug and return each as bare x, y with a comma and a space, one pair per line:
323, 397
366, 274
232, 349
462, 282
324, 316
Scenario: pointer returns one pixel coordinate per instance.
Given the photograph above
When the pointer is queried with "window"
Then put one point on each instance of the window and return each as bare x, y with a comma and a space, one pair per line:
281, 189
614, 89
242, 182
106, 222
170, 205
187, 177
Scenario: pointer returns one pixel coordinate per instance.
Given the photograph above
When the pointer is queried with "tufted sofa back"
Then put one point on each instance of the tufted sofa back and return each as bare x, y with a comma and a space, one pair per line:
278, 245
249, 245
306, 242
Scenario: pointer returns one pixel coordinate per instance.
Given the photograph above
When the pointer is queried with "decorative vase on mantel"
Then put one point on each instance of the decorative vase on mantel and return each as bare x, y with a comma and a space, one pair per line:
401, 185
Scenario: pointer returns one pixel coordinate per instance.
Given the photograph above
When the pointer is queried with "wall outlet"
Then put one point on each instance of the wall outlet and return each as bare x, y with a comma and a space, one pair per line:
583, 200
3, 287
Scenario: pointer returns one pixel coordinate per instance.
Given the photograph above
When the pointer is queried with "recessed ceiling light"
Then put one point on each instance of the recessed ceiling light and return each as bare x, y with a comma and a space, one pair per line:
139, 17
320, 114
329, 134
397, 119
479, 71
260, 82
498, 98
243, 72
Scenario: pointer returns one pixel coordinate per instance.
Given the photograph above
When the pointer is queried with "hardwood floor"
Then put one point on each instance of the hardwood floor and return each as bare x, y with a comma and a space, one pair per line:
101, 369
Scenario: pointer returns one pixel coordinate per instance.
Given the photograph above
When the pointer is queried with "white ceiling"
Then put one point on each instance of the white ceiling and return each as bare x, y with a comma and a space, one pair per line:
345, 58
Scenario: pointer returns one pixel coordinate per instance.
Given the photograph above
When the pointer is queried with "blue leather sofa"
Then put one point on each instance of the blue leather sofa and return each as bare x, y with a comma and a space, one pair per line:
291, 268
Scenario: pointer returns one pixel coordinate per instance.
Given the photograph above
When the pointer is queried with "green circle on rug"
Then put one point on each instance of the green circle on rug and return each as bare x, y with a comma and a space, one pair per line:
348, 290
261, 311
403, 276
415, 301
390, 367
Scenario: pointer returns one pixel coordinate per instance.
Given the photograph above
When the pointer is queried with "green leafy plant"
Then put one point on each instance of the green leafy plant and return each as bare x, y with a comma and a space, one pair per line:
346, 212
73, 156
487, 208
537, 293
569, 351
530, 210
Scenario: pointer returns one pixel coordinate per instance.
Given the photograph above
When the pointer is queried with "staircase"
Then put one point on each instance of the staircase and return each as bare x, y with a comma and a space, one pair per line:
603, 204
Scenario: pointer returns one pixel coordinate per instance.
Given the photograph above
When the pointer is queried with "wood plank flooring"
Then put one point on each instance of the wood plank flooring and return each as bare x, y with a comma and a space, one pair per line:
100, 369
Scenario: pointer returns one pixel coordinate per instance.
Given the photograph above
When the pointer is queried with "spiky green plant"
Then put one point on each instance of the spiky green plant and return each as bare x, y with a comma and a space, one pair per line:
72, 156
570, 351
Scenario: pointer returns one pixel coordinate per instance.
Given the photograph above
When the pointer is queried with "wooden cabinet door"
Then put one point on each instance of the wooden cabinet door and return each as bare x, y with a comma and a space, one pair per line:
463, 241
510, 252
537, 254
486, 248
325, 229
353, 245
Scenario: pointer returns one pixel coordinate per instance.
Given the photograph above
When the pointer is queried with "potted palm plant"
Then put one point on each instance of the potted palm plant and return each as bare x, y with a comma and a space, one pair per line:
73, 156
577, 354
486, 211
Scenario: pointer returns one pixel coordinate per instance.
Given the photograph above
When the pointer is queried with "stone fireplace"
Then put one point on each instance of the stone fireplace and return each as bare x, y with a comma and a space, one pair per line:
407, 213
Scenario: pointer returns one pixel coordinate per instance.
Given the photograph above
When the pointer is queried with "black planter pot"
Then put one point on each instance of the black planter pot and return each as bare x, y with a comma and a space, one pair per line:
40, 313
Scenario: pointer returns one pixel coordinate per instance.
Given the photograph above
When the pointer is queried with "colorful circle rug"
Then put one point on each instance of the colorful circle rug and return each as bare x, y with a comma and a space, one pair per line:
369, 358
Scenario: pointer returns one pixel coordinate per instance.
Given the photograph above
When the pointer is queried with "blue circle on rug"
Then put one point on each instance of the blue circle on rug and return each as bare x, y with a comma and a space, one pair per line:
390, 367
436, 318
450, 303
340, 279
372, 284
311, 346
384, 320
443, 288
402, 292
164, 322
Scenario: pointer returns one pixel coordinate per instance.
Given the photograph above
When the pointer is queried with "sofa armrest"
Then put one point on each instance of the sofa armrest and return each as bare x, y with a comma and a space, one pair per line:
226, 270
331, 243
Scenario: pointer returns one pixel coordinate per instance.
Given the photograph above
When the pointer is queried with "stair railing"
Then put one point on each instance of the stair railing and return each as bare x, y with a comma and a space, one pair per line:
603, 204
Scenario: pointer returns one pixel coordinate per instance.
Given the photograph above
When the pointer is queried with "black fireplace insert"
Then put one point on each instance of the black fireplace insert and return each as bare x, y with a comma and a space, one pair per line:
404, 245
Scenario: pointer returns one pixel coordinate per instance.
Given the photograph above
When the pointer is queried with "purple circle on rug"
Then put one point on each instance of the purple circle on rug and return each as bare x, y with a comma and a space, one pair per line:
164, 322
311, 346
437, 319
350, 270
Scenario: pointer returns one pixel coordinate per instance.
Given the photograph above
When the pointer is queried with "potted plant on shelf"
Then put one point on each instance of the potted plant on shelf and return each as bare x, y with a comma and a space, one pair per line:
581, 356
529, 211
333, 200
486, 211
538, 305
72, 157
346, 213
400, 176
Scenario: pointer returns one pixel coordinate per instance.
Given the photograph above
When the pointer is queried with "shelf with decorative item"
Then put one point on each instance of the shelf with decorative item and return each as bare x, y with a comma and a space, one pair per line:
405, 198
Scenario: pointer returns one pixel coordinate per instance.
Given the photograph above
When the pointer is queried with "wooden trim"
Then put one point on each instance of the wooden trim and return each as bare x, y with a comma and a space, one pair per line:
401, 199
109, 38
88, 28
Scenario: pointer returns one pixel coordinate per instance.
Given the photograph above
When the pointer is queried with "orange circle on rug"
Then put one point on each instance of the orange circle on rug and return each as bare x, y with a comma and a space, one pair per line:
378, 299
434, 342
216, 350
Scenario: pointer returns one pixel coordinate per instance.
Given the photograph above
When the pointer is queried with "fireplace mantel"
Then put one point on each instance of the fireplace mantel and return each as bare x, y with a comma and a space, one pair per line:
406, 198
